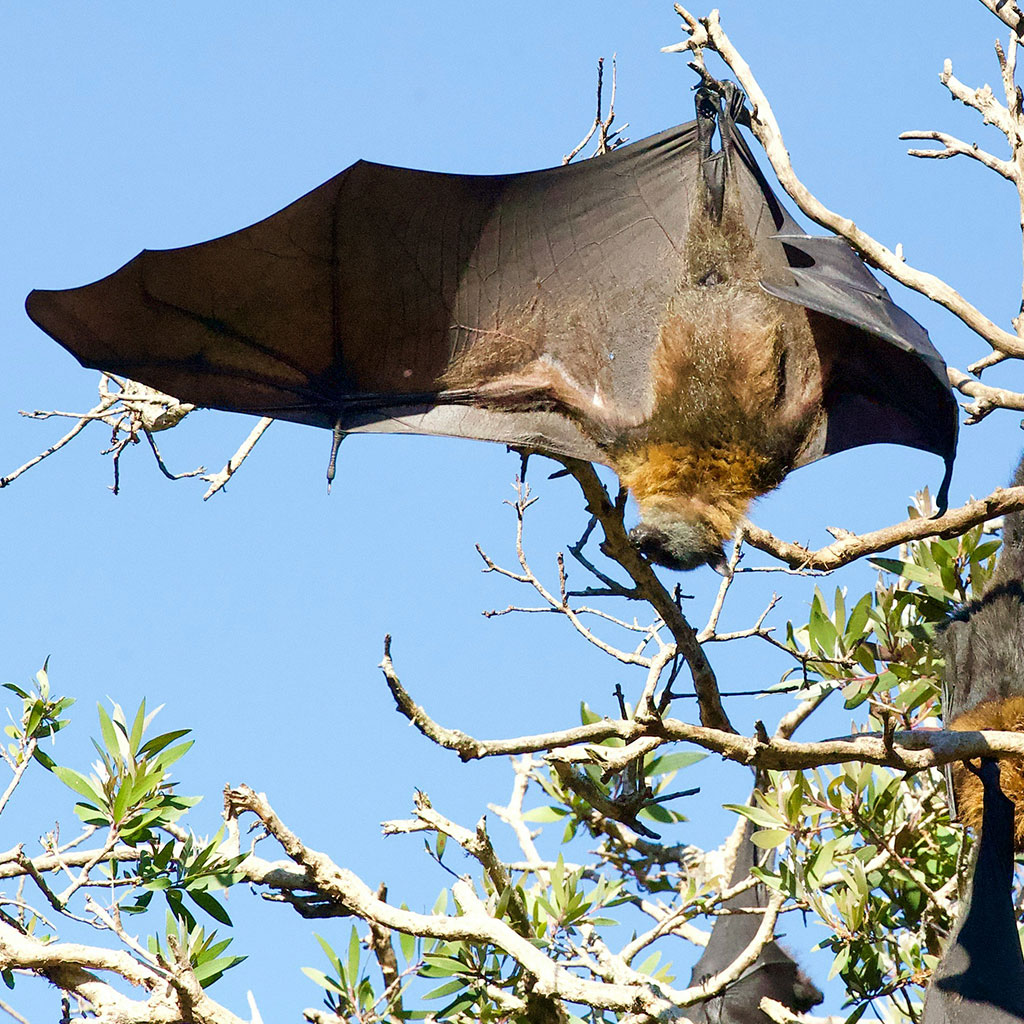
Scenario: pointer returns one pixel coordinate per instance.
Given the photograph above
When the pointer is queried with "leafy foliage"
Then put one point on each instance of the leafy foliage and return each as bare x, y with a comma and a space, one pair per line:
130, 798
190, 941
868, 851
40, 719
128, 790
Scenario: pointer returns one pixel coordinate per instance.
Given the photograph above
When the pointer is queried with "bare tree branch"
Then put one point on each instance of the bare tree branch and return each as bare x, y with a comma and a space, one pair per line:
620, 549
218, 480
853, 546
1007, 12
708, 32
952, 146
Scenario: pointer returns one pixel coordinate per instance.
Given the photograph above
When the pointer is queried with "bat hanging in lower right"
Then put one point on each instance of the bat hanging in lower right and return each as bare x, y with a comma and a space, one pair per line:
655, 309
980, 979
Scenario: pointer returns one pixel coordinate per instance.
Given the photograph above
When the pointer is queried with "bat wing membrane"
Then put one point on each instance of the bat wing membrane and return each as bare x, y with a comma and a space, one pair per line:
523, 308
505, 307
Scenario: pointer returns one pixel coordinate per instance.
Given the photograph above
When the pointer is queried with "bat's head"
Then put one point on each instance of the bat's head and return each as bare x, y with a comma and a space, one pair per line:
774, 974
691, 501
680, 545
782, 981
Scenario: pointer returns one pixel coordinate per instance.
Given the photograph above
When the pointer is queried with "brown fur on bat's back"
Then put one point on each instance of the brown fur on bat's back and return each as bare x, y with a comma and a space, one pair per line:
738, 382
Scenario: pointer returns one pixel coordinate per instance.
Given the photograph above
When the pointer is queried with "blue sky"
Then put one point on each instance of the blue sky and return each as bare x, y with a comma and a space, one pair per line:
257, 618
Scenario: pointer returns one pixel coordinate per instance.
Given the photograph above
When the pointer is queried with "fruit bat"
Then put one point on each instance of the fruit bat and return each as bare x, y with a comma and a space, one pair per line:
980, 979
983, 677
655, 309
774, 973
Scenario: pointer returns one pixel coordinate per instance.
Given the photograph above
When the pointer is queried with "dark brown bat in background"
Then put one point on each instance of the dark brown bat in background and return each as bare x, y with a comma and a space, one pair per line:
774, 973
983, 679
655, 309
980, 979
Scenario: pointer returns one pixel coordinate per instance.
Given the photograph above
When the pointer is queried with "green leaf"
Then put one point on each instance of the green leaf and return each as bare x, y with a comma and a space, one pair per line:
332, 957
44, 759
656, 812
839, 604
457, 1006
650, 964
446, 989
795, 800
79, 783
908, 571
210, 904
858, 691
209, 972
557, 873
673, 762
770, 838
43, 679
107, 730
157, 743
92, 815
822, 630
35, 716
168, 757
545, 814
138, 727
758, 815
321, 979
856, 626
444, 964
840, 962
858, 1013
353, 956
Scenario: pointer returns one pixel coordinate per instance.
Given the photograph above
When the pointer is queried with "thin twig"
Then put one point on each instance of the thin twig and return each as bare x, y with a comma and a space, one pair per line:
218, 480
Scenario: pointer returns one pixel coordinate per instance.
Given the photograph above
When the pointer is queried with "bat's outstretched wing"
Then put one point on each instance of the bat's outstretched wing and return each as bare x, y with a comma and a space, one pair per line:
522, 308
356, 301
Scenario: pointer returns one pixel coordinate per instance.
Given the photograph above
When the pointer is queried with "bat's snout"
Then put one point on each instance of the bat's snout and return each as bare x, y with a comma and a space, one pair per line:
682, 546
806, 995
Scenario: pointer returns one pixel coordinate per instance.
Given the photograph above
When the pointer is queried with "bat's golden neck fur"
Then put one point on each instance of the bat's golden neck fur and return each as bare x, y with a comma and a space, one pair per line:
1006, 714
713, 485
735, 390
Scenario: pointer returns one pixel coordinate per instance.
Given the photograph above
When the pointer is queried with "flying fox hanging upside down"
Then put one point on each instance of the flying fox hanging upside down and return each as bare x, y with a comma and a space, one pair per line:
655, 309
980, 979
774, 973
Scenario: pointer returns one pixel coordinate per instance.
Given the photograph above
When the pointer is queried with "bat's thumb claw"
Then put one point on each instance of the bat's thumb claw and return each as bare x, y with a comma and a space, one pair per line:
942, 498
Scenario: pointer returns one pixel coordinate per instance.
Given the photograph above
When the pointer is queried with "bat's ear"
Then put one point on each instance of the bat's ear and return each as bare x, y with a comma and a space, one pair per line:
719, 562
